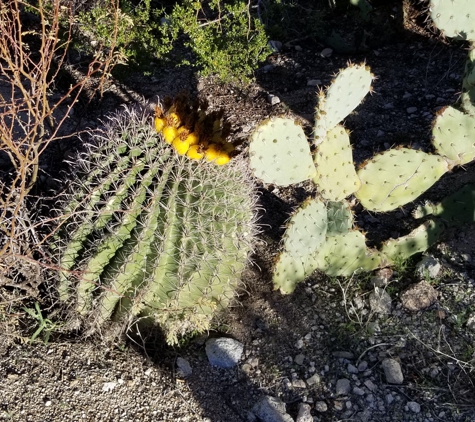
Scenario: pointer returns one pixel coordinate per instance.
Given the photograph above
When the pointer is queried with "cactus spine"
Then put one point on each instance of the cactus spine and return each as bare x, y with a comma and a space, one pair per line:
150, 233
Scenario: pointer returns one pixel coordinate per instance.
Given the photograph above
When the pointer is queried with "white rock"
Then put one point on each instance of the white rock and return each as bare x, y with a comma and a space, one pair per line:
109, 386
273, 99
304, 413
380, 301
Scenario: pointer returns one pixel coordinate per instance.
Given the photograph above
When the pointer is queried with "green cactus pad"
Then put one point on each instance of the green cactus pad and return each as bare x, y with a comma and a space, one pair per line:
344, 254
320, 127
279, 153
339, 217
345, 93
336, 175
454, 18
397, 177
468, 85
454, 136
306, 229
455, 209
419, 240
288, 272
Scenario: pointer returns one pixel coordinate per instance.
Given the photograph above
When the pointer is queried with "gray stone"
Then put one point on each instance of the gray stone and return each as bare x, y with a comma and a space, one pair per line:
299, 359
363, 366
304, 413
343, 387
275, 45
352, 369
419, 296
392, 371
414, 406
343, 354
371, 385
380, 301
358, 391
428, 267
271, 409
314, 379
411, 110
314, 82
224, 352
268, 67
326, 52
321, 406
184, 368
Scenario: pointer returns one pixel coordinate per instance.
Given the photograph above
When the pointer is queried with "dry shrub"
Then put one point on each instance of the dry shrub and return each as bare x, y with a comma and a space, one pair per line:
34, 41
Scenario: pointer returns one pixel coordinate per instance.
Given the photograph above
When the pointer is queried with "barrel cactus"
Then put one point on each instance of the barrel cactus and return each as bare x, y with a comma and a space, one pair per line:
149, 233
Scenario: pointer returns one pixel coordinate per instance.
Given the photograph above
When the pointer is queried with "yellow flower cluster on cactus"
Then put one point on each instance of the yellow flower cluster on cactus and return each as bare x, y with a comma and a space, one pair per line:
191, 131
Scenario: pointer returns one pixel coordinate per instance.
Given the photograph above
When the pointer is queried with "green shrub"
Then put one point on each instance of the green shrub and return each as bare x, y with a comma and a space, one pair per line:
224, 37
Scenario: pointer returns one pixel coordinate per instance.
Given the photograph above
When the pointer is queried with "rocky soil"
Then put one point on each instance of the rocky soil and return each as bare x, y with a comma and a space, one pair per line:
397, 345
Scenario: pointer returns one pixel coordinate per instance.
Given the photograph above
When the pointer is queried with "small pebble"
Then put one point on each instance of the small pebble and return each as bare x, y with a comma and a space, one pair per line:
343, 387
414, 406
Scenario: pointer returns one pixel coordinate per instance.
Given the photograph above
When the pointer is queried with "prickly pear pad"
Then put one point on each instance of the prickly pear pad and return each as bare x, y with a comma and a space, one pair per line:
343, 254
454, 136
419, 240
279, 153
340, 218
455, 18
397, 177
336, 175
306, 229
345, 93
468, 84
288, 271
455, 209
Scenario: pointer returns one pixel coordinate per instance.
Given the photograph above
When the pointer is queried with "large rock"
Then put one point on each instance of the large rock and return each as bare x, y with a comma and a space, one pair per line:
270, 409
224, 352
419, 296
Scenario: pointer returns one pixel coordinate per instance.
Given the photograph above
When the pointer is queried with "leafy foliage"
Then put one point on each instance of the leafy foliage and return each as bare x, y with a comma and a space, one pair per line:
225, 38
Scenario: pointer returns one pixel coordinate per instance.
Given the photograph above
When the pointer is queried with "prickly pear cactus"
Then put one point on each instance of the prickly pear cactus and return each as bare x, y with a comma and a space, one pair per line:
336, 174
397, 177
344, 254
150, 233
468, 84
455, 18
327, 241
345, 93
454, 210
454, 136
419, 240
279, 153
